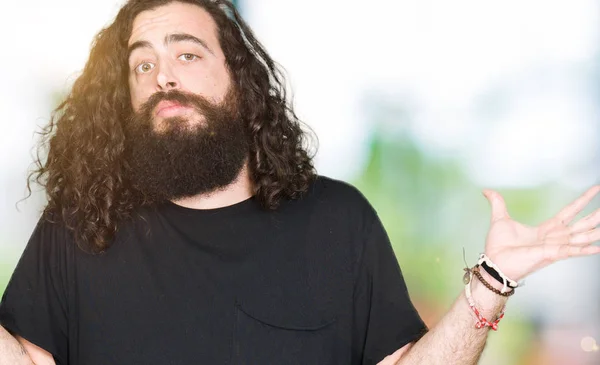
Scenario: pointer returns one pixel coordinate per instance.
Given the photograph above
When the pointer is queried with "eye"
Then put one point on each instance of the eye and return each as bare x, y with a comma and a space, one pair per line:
144, 68
188, 57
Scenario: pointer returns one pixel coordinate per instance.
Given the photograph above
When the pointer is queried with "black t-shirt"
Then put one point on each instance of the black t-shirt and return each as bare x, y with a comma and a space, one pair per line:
313, 282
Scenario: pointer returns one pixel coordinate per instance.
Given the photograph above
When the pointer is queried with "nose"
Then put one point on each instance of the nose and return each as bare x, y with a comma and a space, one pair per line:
166, 79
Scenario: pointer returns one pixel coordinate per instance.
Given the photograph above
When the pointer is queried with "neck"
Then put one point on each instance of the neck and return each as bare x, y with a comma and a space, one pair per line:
239, 190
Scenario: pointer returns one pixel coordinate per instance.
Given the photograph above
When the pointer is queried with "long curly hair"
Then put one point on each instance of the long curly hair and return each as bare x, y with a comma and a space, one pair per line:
85, 174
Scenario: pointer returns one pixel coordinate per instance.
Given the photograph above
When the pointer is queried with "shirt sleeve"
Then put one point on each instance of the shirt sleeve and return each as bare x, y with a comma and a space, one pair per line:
34, 304
384, 316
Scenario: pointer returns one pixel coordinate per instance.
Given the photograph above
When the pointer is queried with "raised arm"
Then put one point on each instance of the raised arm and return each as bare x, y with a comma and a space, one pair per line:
513, 251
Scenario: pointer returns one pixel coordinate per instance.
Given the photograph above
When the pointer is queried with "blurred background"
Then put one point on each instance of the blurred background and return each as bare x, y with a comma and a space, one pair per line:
419, 103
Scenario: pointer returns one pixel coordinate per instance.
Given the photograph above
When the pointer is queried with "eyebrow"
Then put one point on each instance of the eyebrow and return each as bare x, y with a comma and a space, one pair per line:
170, 38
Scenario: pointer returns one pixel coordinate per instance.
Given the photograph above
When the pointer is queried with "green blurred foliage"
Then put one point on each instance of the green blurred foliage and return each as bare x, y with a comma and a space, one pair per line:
432, 211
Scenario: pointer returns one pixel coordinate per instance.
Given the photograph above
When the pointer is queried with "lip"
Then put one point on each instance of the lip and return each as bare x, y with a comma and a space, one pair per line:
166, 108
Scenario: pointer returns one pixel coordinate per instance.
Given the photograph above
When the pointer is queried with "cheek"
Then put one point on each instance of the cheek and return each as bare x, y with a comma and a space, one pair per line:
136, 96
222, 83
213, 84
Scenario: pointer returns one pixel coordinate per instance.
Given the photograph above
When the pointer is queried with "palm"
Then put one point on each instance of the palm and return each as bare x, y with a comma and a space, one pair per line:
520, 250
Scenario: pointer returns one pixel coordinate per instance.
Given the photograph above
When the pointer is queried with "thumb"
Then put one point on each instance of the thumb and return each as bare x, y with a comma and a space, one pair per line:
497, 204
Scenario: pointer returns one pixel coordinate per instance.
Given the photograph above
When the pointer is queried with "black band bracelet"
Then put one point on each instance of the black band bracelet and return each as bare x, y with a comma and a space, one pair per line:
493, 273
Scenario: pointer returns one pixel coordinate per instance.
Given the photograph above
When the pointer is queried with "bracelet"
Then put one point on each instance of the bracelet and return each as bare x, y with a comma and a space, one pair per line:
481, 321
493, 273
488, 285
506, 282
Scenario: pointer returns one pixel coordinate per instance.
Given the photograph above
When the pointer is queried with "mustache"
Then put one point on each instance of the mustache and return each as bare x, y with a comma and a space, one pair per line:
198, 102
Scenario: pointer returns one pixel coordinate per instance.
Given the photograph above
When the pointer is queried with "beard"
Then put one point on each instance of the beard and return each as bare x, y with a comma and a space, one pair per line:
180, 158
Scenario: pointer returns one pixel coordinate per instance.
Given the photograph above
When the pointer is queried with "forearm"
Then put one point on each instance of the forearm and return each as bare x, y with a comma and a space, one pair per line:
11, 351
455, 340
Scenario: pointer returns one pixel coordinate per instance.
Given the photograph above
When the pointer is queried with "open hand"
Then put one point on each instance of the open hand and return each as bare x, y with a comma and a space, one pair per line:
519, 250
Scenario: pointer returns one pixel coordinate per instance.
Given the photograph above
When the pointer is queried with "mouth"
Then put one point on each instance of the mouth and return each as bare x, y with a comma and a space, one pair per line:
167, 109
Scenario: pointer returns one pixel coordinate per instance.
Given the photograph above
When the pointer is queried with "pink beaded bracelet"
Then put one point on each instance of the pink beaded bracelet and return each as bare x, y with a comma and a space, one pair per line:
481, 321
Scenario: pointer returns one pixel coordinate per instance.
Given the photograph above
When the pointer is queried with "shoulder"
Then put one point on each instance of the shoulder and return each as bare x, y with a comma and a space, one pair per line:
340, 194
51, 233
337, 202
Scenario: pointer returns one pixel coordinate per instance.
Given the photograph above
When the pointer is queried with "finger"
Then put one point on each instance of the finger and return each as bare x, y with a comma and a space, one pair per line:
586, 223
566, 215
585, 238
497, 204
561, 252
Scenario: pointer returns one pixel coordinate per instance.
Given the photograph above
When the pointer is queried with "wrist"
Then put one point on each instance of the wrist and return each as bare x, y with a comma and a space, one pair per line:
492, 281
487, 309
486, 300
489, 266
490, 303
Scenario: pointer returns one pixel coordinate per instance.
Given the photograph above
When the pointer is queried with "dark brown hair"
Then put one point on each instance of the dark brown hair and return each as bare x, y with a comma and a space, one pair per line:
85, 174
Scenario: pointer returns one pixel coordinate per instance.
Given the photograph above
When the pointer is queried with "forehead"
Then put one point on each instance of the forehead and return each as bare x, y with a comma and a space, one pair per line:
153, 25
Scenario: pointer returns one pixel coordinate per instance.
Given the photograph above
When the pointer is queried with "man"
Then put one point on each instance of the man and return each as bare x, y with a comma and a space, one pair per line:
186, 225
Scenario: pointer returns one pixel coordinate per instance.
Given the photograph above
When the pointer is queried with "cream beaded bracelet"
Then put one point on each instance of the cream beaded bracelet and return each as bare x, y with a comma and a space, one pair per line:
488, 265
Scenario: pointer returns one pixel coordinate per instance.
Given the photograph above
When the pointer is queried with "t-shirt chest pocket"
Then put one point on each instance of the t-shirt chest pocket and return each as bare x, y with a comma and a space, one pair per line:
286, 316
